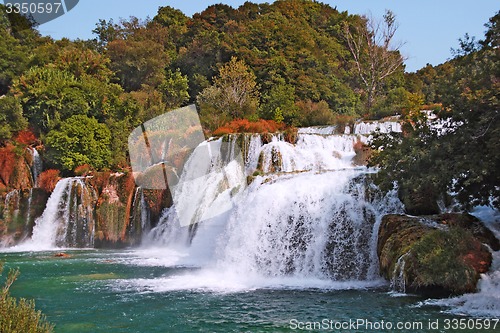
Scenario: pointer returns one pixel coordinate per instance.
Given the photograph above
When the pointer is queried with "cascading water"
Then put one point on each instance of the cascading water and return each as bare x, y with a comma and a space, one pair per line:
12, 204
37, 166
308, 212
68, 219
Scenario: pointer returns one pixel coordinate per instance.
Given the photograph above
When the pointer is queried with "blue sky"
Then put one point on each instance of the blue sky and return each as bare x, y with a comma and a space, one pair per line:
428, 28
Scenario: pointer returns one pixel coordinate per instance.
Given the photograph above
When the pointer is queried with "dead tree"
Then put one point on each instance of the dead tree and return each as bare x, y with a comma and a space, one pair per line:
375, 55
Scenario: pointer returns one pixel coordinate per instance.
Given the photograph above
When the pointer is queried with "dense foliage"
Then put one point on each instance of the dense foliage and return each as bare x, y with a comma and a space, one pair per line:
19, 315
457, 154
82, 98
243, 63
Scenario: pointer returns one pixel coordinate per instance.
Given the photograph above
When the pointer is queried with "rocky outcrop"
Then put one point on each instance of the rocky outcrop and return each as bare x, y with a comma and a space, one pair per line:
437, 255
113, 209
123, 212
20, 203
18, 212
15, 172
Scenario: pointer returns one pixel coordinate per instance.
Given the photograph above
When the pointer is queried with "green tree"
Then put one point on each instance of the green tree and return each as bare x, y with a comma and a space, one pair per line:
175, 89
79, 140
11, 117
50, 95
14, 55
233, 95
461, 155
280, 99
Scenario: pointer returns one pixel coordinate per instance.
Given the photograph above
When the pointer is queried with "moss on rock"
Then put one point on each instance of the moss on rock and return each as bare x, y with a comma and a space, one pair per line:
439, 259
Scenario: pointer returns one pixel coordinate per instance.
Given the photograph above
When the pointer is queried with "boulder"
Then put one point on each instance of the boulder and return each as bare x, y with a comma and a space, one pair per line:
438, 255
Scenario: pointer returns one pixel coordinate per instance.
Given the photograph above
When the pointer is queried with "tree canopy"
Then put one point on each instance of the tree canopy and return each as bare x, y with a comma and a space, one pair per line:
456, 155
294, 62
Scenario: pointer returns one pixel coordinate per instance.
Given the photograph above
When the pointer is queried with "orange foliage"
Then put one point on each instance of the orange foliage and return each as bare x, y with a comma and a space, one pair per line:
48, 180
83, 170
246, 126
25, 137
7, 163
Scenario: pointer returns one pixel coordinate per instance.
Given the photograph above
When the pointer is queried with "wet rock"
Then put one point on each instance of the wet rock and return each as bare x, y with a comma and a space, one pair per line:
62, 255
437, 255
113, 208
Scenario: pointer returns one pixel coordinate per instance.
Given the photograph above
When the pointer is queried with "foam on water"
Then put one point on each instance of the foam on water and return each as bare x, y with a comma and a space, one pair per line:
311, 221
214, 280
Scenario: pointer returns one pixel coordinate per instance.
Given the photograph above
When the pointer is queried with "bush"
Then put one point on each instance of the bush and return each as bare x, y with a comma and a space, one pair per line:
19, 315
79, 140
25, 137
48, 180
82, 170
246, 126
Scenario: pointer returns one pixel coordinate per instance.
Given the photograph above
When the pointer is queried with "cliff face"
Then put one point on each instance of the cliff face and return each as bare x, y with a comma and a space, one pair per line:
15, 172
102, 209
20, 202
434, 255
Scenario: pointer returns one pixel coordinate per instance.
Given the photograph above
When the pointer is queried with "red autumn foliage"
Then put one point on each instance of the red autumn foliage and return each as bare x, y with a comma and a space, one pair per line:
83, 170
7, 163
246, 126
48, 180
25, 137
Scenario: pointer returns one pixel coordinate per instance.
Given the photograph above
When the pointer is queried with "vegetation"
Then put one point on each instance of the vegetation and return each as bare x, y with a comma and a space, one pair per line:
19, 315
442, 260
246, 64
243, 63
430, 161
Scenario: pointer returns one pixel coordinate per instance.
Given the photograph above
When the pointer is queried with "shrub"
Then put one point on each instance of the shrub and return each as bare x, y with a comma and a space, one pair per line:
246, 126
19, 315
48, 180
83, 170
79, 140
25, 137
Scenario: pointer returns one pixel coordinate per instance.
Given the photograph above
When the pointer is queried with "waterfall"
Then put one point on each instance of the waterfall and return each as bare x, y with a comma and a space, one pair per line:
12, 205
398, 282
308, 211
68, 219
37, 166
365, 128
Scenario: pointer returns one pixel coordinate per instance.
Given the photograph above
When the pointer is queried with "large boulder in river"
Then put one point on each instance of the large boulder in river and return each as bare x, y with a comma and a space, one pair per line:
437, 255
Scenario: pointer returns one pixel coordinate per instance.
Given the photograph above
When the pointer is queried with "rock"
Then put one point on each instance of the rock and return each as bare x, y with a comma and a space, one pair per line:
363, 153
15, 172
18, 212
113, 208
62, 255
435, 255
471, 223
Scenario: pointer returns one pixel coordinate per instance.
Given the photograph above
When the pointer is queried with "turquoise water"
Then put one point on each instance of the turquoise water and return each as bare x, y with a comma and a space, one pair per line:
124, 291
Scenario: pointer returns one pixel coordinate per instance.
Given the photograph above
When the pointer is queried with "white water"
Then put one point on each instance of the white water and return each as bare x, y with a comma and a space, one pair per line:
65, 222
37, 166
366, 128
309, 221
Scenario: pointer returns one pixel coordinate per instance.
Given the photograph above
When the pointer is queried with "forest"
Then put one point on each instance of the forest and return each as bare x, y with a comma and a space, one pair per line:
80, 99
